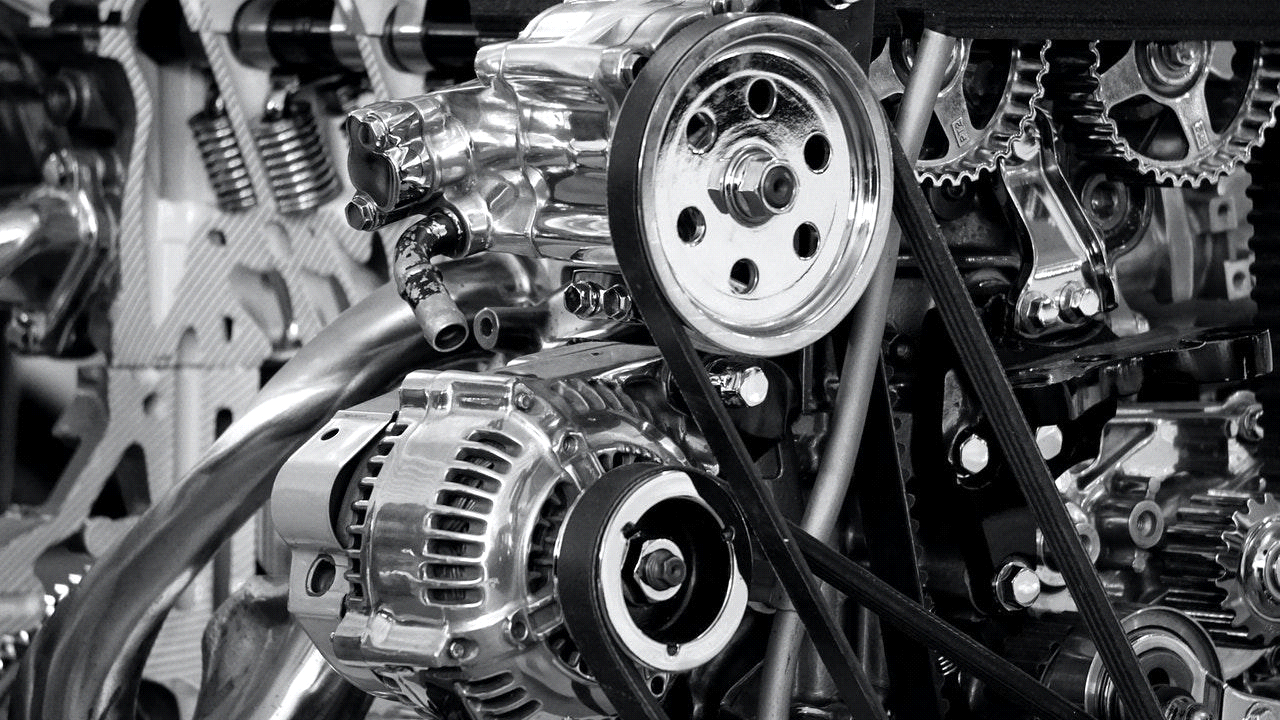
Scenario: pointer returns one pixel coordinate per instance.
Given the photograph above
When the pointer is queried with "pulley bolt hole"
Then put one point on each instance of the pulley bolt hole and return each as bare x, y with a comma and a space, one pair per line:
817, 152
743, 277
691, 225
762, 98
805, 241
700, 133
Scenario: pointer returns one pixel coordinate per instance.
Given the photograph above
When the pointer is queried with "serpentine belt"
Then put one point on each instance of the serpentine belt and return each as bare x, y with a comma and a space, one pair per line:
622, 681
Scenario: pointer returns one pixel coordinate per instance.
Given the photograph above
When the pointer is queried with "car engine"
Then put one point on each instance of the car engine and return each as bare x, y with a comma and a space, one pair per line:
707, 359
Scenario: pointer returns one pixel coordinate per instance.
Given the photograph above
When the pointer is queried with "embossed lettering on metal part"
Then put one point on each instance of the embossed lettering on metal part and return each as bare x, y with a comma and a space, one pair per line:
1069, 281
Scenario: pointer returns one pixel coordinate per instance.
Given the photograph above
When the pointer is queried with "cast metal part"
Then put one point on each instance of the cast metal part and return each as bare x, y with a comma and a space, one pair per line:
463, 143
978, 132
1220, 106
440, 566
69, 217
1067, 283
761, 138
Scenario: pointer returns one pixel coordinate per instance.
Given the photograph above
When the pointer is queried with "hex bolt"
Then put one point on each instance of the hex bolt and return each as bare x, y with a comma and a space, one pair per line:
662, 569
460, 649
1016, 586
1049, 440
1042, 312
583, 298
740, 385
972, 455
617, 304
1078, 303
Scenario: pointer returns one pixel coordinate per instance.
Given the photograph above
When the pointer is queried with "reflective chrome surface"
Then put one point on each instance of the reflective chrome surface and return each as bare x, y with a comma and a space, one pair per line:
68, 217
974, 143
132, 588
260, 665
454, 491
523, 181
776, 196
1068, 283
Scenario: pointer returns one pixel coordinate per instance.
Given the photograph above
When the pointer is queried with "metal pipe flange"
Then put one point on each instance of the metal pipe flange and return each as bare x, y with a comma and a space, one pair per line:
760, 180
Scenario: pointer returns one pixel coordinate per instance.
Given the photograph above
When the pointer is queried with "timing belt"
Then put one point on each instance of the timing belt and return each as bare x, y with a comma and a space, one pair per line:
986, 375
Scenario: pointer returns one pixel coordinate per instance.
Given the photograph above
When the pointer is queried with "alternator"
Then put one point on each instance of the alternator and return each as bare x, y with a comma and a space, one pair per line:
425, 537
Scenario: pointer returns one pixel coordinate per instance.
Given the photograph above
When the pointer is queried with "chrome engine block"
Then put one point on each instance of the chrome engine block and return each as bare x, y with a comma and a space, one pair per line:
648, 359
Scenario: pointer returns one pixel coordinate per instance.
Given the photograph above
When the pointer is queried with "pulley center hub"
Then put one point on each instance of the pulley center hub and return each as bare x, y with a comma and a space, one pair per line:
1173, 68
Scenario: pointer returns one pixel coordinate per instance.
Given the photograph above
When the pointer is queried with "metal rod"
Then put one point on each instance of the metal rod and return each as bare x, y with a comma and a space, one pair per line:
862, 586
857, 374
87, 659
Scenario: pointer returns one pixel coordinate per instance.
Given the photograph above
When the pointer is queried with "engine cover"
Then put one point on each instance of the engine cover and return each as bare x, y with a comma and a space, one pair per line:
424, 528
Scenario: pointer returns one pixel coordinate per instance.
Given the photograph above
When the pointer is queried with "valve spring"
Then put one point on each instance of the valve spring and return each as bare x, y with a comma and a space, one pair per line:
223, 160
298, 163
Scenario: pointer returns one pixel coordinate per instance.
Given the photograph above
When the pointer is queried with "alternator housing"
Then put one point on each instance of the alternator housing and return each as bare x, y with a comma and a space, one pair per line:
423, 534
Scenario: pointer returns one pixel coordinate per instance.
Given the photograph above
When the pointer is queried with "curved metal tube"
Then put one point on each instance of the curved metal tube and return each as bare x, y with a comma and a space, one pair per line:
85, 662
259, 664
835, 471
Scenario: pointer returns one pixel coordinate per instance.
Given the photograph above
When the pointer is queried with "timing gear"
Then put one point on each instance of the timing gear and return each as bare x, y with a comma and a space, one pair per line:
1182, 113
436, 564
988, 97
1224, 555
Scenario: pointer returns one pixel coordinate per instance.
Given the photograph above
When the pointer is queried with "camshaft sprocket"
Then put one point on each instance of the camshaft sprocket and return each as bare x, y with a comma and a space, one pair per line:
1180, 113
989, 95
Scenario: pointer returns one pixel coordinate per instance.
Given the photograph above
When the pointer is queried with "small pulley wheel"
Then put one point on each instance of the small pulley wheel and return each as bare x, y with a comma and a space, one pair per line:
752, 160
645, 554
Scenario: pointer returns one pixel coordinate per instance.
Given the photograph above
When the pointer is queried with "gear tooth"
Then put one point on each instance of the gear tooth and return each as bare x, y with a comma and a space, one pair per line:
1074, 83
1200, 565
1023, 92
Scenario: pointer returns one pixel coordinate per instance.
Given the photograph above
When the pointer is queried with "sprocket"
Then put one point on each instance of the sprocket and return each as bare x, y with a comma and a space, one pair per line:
972, 128
1180, 113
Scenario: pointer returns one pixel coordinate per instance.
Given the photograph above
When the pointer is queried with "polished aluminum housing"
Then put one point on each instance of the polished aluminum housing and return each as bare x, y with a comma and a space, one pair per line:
437, 568
520, 153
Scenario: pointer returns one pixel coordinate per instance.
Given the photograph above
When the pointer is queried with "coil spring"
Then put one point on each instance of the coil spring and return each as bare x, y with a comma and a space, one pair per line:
298, 164
223, 160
